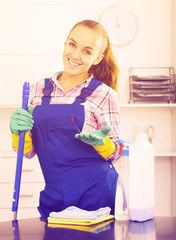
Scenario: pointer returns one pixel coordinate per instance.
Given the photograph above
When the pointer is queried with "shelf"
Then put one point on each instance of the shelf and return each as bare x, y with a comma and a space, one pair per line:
148, 105
8, 154
165, 153
152, 84
9, 106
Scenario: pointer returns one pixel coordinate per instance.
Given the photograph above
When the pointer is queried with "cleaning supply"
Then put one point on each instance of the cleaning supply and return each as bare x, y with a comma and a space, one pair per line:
85, 222
93, 228
141, 179
99, 141
21, 120
16, 191
122, 167
76, 216
27, 142
107, 149
73, 212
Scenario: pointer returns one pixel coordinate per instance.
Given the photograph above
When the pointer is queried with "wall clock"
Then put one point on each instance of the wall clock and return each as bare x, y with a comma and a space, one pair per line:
120, 23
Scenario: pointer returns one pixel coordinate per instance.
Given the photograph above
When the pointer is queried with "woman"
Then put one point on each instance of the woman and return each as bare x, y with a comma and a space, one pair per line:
75, 125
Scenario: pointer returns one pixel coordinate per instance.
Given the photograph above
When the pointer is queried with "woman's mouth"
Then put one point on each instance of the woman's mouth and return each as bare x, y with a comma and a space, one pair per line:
74, 64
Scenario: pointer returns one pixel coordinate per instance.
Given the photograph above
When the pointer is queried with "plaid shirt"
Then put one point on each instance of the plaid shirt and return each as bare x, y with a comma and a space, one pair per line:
101, 107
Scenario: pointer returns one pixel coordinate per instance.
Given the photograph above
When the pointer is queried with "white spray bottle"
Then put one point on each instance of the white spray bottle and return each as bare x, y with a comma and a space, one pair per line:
141, 179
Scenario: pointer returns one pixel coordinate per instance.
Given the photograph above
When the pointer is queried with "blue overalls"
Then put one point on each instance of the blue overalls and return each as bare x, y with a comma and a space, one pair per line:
75, 174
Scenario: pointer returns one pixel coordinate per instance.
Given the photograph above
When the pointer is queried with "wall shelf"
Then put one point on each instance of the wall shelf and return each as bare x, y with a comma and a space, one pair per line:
165, 153
9, 106
148, 105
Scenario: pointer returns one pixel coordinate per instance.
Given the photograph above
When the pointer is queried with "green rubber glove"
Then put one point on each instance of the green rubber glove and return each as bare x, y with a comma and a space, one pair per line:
94, 138
21, 120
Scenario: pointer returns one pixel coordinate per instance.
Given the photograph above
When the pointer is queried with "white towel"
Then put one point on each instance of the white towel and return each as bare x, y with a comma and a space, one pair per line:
73, 212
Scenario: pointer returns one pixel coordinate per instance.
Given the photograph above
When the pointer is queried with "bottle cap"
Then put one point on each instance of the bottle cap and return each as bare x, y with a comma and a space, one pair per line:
126, 146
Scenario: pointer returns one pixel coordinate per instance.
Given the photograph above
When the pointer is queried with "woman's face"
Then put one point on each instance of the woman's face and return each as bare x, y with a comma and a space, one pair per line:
82, 50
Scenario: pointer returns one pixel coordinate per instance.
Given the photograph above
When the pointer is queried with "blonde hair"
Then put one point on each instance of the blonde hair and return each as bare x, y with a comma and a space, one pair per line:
107, 70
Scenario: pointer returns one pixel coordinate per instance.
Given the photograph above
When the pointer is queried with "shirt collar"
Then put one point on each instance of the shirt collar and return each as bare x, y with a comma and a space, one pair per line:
56, 75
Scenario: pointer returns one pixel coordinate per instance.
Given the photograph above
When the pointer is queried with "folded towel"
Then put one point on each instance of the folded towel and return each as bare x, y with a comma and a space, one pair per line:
73, 212
95, 228
85, 222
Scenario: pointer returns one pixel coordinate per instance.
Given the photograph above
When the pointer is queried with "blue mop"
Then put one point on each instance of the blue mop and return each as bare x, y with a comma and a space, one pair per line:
25, 97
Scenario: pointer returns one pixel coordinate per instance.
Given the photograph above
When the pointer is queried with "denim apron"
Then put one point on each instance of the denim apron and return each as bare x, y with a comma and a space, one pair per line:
75, 174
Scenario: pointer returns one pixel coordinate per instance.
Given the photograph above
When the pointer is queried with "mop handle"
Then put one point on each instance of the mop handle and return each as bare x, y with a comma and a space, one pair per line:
25, 97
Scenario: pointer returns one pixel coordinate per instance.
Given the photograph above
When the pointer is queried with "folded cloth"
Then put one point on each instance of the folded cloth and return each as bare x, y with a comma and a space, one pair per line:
85, 222
73, 212
95, 228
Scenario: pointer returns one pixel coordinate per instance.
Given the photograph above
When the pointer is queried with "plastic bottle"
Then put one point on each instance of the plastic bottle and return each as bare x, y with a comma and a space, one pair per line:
122, 167
141, 179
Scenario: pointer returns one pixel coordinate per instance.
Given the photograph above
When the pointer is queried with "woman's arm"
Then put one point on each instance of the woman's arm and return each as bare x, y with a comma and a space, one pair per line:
108, 114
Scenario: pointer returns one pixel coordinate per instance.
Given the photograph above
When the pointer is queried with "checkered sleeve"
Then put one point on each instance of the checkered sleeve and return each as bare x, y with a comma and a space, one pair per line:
101, 110
108, 114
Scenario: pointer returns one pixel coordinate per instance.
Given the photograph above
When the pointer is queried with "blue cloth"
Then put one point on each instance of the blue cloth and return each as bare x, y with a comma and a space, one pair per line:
75, 174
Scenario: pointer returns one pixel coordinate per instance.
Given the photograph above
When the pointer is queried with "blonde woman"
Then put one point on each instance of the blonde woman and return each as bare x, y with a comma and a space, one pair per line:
74, 127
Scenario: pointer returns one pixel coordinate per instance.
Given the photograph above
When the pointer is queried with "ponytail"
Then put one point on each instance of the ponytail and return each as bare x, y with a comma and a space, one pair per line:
107, 70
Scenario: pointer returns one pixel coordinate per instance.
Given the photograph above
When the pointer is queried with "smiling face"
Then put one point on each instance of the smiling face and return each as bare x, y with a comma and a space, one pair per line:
82, 50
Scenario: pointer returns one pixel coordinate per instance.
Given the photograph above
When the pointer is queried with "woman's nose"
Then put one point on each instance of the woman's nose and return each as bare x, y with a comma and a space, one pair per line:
76, 54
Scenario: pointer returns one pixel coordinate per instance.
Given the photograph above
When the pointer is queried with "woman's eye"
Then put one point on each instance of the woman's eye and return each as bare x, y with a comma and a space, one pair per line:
71, 44
87, 52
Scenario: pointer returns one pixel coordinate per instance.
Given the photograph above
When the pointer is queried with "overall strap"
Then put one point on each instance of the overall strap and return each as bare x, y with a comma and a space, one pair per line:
47, 91
85, 92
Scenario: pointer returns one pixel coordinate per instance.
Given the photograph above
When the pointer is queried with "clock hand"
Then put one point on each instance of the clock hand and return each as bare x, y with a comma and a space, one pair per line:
117, 22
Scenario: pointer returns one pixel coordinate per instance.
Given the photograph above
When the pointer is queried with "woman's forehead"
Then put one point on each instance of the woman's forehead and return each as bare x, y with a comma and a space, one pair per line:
86, 36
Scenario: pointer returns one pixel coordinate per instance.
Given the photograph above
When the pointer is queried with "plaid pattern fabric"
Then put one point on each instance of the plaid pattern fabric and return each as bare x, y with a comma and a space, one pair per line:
101, 107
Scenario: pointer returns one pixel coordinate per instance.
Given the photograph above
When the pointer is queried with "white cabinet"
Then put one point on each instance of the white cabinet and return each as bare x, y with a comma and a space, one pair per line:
163, 119
31, 184
32, 181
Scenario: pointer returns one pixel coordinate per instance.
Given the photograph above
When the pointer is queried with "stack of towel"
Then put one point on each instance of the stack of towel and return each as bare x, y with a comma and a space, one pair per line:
76, 216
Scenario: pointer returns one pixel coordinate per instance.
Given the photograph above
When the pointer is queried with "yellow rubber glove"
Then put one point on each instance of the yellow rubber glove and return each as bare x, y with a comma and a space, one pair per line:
27, 142
99, 141
106, 149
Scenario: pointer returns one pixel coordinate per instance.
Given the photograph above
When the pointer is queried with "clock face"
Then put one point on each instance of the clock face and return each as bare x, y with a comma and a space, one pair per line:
120, 24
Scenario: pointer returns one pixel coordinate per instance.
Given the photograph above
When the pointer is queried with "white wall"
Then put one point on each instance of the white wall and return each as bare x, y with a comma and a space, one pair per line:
33, 33
152, 46
174, 33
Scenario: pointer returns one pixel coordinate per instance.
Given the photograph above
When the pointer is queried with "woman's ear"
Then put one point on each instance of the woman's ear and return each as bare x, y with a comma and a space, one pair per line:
98, 59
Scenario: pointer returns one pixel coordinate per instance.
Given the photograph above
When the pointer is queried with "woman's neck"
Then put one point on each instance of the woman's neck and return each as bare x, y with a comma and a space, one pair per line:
69, 81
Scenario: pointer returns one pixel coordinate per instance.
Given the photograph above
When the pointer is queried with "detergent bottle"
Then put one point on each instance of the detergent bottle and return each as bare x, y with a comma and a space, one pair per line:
122, 168
141, 179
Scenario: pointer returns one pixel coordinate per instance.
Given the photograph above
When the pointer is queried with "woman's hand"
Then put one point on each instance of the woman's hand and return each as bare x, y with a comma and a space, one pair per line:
21, 120
94, 138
